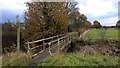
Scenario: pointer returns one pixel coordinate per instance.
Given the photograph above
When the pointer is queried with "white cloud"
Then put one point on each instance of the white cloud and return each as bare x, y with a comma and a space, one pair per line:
91, 8
100, 9
9, 7
12, 4
109, 21
97, 7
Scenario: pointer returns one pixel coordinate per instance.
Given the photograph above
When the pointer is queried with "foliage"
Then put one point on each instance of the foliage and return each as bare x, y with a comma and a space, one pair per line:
118, 23
44, 19
16, 59
78, 21
74, 43
8, 34
9, 37
97, 24
80, 60
87, 25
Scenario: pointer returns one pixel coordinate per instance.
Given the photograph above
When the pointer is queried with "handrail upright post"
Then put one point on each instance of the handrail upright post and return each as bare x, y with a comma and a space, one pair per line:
58, 44
64, 40
70, 38
28, 47
43, 45
50, 44
29, 50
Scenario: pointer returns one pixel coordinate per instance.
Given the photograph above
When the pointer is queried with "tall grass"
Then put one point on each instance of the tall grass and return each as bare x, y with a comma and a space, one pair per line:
16, 59
79, 60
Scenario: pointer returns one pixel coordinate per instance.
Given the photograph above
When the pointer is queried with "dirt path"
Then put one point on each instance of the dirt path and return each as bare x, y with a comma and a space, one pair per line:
83, 34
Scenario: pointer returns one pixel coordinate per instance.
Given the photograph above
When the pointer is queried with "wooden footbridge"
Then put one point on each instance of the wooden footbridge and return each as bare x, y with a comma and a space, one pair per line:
43, 48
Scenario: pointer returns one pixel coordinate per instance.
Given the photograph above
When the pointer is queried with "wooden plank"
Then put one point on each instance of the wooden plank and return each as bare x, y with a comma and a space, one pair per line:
35, 47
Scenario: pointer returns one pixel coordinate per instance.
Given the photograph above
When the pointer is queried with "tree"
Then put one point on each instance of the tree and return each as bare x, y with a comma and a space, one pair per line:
76, 19
97, 24
86, 24
9, 35
44, 19
73, 11
118, 23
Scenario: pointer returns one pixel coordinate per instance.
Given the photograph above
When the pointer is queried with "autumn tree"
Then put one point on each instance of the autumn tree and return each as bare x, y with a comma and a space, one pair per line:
86, 24
44, 19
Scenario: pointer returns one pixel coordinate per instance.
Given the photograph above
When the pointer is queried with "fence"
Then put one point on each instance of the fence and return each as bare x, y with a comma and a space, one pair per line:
39, 46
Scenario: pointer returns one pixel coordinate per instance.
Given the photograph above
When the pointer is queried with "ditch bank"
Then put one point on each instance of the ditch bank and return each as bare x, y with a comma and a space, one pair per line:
110, 47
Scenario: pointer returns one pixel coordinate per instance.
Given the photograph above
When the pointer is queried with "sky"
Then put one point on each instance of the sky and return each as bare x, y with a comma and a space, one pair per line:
104, 11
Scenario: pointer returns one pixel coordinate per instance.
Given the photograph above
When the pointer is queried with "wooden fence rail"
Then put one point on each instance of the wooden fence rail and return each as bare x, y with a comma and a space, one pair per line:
48, 43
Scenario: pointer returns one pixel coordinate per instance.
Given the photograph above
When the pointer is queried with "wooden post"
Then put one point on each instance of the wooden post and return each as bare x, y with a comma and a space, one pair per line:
43, 45
70, 37
49, 49
29, 50
18, 33
58, 44
65, 40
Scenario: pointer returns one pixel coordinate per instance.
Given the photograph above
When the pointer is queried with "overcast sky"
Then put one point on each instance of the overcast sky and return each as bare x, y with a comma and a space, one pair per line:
105, 11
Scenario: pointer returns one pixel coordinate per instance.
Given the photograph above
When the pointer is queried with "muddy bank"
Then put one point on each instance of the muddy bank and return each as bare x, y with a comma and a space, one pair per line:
110, 47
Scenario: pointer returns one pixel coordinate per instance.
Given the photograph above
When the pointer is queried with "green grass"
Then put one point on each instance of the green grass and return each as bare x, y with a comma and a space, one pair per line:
16, 59
79, 60
102, 33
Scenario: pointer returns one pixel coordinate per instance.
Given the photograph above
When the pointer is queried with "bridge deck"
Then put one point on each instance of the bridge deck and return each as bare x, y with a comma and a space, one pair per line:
46, 53
55, 44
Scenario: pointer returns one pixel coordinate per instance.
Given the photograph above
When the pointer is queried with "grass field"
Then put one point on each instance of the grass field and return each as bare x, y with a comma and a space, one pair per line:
102, 33
69, 59
79, 60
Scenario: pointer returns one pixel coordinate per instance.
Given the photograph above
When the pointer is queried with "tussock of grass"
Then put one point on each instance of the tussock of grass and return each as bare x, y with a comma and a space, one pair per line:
79, 60
16, 59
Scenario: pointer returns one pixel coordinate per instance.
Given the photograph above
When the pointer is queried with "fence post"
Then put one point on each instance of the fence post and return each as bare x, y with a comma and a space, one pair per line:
58, 44
49, 47
28, 47
65, 40
43, 45
70, 38
29, 50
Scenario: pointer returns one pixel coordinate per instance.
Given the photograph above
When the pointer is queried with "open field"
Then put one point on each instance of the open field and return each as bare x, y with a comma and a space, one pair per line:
102, 33
79, 60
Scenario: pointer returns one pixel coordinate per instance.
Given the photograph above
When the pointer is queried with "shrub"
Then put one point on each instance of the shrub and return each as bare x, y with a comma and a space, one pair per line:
16, 59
